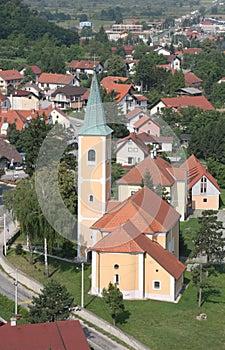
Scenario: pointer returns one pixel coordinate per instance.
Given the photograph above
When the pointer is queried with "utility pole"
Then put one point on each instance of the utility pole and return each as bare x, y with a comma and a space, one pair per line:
4, 235
16, 292
82, 285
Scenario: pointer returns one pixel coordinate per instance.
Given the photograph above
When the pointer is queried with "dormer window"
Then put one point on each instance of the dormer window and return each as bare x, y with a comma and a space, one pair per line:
203, 184
91, 156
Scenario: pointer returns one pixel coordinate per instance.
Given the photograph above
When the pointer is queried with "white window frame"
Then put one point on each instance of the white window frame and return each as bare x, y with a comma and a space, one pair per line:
91, 162
153, 285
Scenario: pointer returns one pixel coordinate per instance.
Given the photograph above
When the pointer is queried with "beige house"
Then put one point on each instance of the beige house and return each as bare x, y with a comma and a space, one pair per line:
57, 116
22, 100
139, 249
11, 77
203, 189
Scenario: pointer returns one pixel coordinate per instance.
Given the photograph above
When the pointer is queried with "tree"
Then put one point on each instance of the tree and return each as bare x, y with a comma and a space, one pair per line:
200, 280
209, 240
116, 66
53, 304
101, 36
114, 298
147, 180
29, 75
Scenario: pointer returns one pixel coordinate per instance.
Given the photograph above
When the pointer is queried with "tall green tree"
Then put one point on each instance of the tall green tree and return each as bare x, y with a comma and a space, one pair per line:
53, 304
114, 298
116, 66
209, 240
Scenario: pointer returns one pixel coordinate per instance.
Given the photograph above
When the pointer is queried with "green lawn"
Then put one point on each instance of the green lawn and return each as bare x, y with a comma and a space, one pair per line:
159, 325
188, 230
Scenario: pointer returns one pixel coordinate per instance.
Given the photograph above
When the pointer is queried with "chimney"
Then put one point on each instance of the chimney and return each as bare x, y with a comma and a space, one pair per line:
13, 321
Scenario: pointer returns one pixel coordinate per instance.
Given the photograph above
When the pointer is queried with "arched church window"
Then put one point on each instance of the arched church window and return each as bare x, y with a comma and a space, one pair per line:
91, 155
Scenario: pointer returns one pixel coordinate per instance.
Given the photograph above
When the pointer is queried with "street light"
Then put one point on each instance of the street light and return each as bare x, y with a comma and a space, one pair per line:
16, 293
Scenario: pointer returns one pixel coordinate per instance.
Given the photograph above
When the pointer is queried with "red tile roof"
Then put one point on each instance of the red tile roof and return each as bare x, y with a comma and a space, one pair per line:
146, 138
161, 172
58, 335
11, 74
36, 70
144, 119
128, 239
112, 84
83, 64
192, 51
186, 101
19, 117
191, 79
145, 209
196, 171
55, 78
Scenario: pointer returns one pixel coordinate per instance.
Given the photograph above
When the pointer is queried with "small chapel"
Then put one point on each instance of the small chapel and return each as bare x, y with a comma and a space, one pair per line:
132, 243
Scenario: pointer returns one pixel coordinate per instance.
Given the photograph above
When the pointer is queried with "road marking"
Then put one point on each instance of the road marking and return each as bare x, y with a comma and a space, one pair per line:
28, 301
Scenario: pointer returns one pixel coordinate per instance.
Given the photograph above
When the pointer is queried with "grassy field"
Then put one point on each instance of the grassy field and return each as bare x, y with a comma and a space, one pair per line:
157, 324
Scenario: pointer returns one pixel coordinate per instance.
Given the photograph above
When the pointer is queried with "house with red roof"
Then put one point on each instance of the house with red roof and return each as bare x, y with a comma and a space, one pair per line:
8, 154
203, 189
191, 80
147, 125
18, 117
176, 103
125, 95
161, 143
131, 150
139, 249
77, 67
9, 78
36, 70
52, 81
59, 335
4, 102
163, 175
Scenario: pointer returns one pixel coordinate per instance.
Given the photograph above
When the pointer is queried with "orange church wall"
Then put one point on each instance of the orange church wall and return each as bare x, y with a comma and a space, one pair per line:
127, 271
155, 272
91, 188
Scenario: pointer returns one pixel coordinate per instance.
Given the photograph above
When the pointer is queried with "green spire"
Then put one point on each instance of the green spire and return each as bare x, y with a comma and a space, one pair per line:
94, 120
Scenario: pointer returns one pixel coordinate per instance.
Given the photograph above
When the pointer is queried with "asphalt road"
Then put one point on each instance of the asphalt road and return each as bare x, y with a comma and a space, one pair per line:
7, 288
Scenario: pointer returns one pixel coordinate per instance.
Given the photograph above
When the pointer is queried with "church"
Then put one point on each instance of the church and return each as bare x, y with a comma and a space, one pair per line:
134, 243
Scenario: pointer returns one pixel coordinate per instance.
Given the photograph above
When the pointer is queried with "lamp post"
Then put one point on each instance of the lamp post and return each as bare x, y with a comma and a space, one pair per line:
4, 235
82, 285
16, 292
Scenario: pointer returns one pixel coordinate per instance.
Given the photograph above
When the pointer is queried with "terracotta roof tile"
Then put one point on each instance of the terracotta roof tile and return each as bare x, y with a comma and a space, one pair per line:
145, 209
190, 79
19, 117
134, 113
9, 152
158, 169
11, 74
55, 78
186, 101
112, 84
55, 335
83, 64
195, 171
128, 239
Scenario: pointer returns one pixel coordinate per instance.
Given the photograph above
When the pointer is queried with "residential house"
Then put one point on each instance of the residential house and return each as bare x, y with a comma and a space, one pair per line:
131, 66
139, 250
57, 335
4, 102
34, 89
9, 78
203, 189
174, 62
36, 70
18, 117
52, 81
177, 103
147, 125
192, 81
163, 176
160, 143
9, 155
124, 94
69, 97
22, 99
132, 117
77, 67
131, 150
56, 115
159, 49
